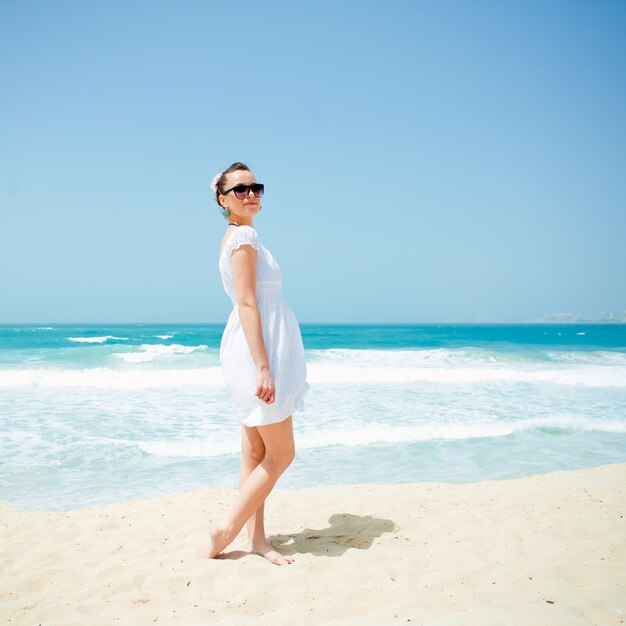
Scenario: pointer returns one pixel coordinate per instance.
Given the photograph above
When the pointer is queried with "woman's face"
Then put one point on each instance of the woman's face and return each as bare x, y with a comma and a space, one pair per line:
250, 205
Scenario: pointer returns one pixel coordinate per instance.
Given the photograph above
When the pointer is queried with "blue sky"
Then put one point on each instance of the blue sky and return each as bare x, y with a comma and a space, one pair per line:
423, 161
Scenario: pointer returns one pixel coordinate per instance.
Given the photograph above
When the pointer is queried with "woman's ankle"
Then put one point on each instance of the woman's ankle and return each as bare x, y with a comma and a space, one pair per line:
258, 540
229, 531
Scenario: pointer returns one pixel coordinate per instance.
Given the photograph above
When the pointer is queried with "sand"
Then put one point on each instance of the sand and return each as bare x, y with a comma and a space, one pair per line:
547, 549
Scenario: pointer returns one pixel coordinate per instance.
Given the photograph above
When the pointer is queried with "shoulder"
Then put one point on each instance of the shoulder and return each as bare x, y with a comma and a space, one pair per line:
244, 228
244, 233
238, 236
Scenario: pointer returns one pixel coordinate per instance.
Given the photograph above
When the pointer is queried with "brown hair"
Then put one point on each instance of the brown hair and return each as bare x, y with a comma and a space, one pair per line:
222, 179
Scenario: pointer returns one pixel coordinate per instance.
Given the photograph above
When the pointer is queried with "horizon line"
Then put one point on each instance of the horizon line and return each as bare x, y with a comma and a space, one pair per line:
185, 323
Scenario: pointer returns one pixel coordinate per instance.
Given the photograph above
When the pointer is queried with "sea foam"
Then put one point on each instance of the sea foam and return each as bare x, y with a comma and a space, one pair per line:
102, 339
342, 367
107, 378
388, 434
150, 352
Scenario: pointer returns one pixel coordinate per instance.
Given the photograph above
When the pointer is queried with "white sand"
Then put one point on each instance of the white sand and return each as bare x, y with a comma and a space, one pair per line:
541, 550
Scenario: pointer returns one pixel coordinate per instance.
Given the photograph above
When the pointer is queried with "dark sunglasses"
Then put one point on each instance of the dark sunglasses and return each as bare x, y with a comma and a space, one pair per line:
242, 191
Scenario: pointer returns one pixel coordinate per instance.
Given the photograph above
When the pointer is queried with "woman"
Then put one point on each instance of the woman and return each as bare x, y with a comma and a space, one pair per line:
262, 359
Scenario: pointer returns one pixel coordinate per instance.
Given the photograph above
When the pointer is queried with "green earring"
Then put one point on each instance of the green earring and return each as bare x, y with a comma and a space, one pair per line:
226, 212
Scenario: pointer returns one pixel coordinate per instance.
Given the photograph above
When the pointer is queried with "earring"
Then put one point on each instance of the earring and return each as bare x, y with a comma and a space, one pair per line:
226, 212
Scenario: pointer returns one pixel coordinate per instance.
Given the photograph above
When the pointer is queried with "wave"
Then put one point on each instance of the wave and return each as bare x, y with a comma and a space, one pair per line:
596, 357
189, 448
590, 376
342, 367
150, 352
467, 356
601, 368
374, 434
13, 467
107, 378
102, 339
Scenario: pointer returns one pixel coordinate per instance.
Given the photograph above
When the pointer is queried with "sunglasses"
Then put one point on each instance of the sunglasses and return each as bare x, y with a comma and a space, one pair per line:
242, 191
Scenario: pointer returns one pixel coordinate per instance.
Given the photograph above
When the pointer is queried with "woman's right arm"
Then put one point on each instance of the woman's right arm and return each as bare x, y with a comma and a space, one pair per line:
244, 260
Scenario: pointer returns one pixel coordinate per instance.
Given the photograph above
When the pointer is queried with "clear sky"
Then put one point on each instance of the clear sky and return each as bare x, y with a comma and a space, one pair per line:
423, 161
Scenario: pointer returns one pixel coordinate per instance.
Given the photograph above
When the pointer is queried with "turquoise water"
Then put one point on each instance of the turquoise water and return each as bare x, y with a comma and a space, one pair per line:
107, 413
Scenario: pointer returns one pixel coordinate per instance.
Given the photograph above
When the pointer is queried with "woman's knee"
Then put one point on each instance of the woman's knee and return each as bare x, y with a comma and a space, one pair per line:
254, 452
283, 457
288, 456
252, 446
279, 443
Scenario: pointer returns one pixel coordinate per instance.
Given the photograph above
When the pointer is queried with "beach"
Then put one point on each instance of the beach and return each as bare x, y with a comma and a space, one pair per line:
545, 549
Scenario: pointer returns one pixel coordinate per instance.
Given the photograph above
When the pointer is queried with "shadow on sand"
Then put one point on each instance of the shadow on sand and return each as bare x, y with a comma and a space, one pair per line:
345, 532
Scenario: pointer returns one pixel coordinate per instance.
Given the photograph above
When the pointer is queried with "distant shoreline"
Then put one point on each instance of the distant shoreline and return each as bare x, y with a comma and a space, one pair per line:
460, 323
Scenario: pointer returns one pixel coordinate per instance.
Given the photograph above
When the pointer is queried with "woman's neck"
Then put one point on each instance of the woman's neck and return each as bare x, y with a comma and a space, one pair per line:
240, 222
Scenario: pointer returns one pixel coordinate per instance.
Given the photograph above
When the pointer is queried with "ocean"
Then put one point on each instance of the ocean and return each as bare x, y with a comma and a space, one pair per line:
94, 414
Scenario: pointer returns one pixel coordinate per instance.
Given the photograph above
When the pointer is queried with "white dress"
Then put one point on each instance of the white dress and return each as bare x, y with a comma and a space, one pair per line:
281, 334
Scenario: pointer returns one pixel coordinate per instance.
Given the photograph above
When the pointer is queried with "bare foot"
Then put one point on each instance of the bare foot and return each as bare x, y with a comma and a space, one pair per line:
267, 551
218, 540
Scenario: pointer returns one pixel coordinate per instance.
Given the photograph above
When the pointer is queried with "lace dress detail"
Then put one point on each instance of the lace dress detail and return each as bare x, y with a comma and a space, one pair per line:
281, 334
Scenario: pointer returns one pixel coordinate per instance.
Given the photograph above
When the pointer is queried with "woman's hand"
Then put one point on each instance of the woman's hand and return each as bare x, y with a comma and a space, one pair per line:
265, 389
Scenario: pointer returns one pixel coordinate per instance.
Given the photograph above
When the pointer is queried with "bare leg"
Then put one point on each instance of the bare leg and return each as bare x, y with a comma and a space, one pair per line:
279, 453
252, 453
